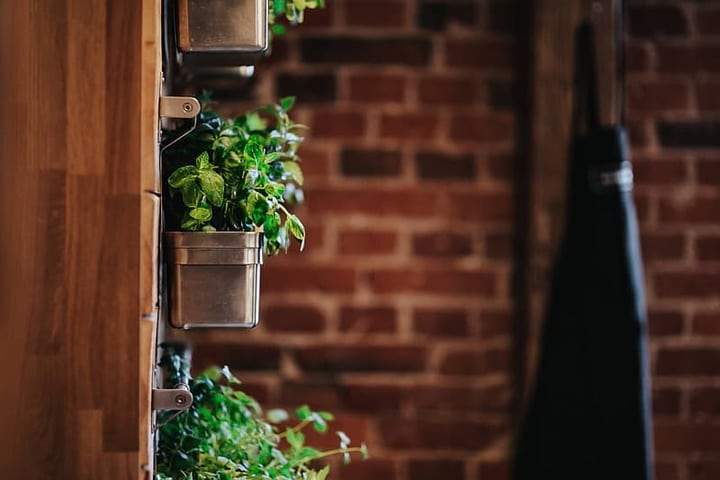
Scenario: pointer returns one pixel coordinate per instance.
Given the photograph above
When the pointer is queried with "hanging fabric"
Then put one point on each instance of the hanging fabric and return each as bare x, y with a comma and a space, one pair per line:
589, 416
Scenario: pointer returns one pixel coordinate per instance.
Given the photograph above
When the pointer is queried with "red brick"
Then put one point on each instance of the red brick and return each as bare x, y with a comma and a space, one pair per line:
482, 128
307, 278
494, 470
315, 161
708, 248
704, 469
340, 125
359, 162
437, 434
666, 470
657, 96
666, 401
707, 21
708, 172
409, 126
236, 356
696, 58
371, 201
316, 87
438, 16
375, 13
297, 318
502, 167
373, 398
663, 246
637, 58
686, 437
442, 244
377, 88
499, 246
362, 358
694, 210
705, 401
436, 399
366, 242
657, 20
706, 323
451, 90
435, 469
482, 206
708, 96
369, 469
368, 319
438, 281
476, 361
688, 361
343, 49
443, 166
495, 323
659, 172
703, 134
665, 322
638, 131
317, 394
502, 94
687, 285
642, 207
258, 390
480, 53
441, 323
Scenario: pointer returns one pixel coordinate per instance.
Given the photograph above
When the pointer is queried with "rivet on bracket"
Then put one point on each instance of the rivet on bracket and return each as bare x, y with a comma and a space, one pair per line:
179, 107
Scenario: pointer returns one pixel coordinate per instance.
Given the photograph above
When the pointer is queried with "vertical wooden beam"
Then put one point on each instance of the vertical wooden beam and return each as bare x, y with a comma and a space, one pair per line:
77, 133
553, 72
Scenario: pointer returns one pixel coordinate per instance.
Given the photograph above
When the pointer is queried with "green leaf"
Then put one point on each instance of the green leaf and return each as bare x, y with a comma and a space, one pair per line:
208, 228
259, 210
303, 413
293, 168
275, 189
296, 229
189, 223
271, 226
182, 175
254, 151
213, 185
278, 29
191, 194
255, 122
201, 214
287, 103
277, 415
327, 416
203, 161
322, 474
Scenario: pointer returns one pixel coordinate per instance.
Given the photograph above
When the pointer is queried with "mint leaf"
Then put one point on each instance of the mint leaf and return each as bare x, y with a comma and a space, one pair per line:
295, 172
213, 185
203, 161
182, 175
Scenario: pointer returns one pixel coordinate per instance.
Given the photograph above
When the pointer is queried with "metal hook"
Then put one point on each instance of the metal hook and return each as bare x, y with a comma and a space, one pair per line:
179, 107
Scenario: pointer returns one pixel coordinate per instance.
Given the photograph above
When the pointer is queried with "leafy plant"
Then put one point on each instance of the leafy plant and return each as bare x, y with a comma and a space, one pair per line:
238, 175
291, 10
225, 435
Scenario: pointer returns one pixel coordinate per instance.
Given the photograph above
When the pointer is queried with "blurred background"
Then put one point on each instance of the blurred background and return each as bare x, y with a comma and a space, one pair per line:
410, 312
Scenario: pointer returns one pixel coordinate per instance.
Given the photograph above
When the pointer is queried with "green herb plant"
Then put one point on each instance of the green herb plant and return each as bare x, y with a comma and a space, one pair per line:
225, 435
238, 175
293, 11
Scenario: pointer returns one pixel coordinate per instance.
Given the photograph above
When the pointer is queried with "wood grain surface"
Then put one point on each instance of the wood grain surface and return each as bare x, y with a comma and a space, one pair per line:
77, 320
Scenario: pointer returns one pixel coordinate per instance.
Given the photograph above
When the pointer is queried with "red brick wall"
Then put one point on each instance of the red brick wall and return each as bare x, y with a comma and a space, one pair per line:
673, 108
398, 316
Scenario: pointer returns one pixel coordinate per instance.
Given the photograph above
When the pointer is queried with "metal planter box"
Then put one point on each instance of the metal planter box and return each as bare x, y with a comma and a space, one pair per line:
215, 33
214, 278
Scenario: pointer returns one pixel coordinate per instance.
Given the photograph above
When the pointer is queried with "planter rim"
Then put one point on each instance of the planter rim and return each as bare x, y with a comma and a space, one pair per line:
206, 240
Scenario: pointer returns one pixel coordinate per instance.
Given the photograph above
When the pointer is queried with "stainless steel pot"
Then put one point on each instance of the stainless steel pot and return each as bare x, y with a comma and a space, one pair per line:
214, 278
221, 32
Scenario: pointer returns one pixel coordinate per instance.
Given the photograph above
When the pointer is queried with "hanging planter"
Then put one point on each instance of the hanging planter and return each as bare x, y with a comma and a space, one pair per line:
214, 278
228, 187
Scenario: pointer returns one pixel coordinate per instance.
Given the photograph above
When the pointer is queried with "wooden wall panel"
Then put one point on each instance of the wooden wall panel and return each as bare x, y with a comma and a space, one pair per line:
78, 136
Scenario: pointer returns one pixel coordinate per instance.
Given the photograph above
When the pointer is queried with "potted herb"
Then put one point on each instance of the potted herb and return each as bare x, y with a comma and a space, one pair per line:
228, 187
226, 435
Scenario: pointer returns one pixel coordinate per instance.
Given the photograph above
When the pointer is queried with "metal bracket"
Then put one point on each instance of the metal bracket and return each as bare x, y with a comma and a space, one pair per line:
179, 107
178, 398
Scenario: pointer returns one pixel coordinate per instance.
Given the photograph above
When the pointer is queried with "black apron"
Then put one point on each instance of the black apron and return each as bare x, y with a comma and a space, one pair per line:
589, 416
